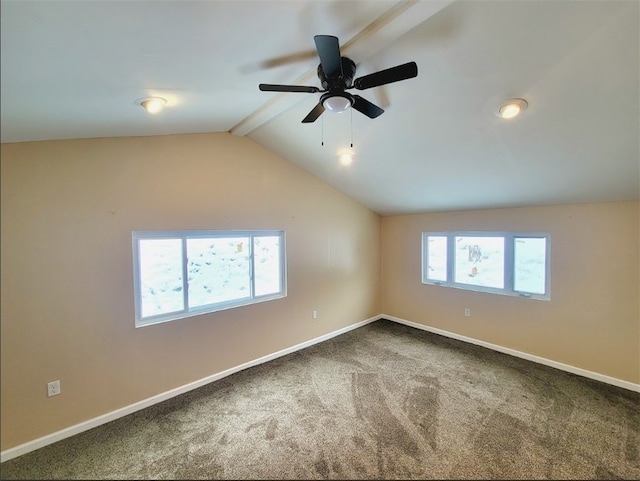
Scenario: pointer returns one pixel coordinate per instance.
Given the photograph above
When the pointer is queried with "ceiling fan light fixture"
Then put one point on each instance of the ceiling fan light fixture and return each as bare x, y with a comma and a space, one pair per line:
152, 105
336, 103
336, 75
512, 108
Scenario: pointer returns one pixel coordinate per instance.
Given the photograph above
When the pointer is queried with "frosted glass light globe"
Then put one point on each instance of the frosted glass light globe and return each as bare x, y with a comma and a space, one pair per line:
337, 104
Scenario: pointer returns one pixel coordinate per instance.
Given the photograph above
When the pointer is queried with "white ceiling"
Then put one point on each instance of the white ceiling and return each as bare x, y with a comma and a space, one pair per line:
75, 70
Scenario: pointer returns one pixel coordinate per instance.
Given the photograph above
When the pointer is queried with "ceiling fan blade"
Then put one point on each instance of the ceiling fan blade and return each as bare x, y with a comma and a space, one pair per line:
393, 74
287, 88
288, 59
314, 114
363, 105
329, 53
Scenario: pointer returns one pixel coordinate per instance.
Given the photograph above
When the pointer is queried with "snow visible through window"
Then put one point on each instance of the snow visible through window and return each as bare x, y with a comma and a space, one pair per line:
480, 261
495, 262
218, 270
530, 259
437, 263
161, 276
222, 270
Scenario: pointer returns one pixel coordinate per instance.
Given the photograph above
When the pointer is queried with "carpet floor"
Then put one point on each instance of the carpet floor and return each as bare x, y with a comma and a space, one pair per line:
384, 401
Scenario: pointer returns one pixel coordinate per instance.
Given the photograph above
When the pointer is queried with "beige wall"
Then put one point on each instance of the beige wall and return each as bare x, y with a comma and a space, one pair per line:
68, 209
592, 320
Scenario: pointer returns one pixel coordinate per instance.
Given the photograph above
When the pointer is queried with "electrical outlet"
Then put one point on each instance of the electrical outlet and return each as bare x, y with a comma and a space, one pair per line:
314, 314
467, 312
53, 388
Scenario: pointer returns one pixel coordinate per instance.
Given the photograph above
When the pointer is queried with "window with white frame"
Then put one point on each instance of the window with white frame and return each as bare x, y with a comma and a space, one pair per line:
498, 262
185, 273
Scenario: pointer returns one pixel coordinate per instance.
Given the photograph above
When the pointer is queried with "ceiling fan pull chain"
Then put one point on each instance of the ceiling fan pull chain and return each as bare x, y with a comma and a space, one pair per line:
351, 127
322, 131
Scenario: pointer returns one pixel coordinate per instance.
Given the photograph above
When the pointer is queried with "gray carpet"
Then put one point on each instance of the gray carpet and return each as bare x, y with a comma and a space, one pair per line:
385, 401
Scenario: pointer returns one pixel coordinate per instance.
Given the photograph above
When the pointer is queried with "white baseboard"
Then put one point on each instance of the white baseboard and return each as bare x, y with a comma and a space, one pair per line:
523, 355
113, 415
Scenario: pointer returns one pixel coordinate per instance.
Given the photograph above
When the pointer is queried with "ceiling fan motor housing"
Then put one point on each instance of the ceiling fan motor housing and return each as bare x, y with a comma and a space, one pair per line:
338, 82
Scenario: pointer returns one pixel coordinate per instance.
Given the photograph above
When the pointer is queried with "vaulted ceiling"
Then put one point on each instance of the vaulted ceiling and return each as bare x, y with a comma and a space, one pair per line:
77, 69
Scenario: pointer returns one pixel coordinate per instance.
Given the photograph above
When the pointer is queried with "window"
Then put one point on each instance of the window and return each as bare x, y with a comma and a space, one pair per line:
185, 273
496, 262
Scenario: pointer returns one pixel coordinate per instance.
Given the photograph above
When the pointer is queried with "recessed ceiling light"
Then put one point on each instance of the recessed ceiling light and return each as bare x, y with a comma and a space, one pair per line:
512, 108
345, 158
152, 104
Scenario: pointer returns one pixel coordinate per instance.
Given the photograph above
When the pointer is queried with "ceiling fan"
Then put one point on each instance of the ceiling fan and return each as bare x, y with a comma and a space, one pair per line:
336, 76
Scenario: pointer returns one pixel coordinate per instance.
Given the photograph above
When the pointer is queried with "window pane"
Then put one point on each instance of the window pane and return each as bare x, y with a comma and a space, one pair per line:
160, 276
479, 261
530, 261
266, 265
437, 258
218, 270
